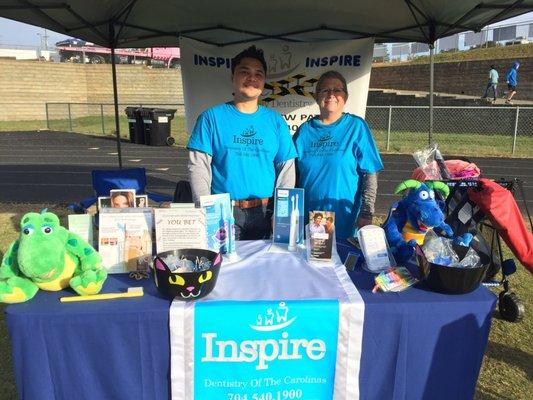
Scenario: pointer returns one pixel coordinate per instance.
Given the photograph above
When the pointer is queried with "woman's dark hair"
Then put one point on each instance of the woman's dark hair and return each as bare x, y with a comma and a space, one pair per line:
331, 75
250, 52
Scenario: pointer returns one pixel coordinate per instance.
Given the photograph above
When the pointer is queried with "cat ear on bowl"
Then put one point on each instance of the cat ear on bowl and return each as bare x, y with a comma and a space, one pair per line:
160, 265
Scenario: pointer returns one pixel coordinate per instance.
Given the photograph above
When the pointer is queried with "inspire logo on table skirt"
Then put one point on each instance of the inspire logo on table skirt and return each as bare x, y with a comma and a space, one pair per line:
233, 346
265, 350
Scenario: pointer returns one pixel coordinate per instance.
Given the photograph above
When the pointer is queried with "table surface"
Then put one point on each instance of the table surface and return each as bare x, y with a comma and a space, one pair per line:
415, 343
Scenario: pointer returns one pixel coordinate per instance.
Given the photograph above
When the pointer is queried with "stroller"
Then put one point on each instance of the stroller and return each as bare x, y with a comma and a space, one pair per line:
466, 211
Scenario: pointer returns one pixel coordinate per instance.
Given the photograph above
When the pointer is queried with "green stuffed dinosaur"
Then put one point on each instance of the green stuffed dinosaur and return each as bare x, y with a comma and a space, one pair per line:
47, 256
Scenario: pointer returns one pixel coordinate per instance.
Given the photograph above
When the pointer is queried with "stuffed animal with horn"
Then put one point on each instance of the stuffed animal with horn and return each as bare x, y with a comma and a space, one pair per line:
414, 215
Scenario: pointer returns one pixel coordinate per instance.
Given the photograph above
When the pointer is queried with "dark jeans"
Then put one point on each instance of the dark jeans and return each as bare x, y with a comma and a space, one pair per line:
252, 223
494, 87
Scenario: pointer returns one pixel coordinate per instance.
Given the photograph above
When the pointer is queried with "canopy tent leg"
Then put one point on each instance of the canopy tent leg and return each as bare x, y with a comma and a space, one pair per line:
115, 91
431, 80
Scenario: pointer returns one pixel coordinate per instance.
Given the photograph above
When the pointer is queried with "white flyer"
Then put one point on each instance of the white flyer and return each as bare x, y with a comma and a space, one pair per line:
180, 228
125, 239
82, 225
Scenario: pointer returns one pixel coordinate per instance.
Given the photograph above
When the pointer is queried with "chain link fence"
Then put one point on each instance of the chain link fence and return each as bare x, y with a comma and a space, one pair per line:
467, 131
99, 118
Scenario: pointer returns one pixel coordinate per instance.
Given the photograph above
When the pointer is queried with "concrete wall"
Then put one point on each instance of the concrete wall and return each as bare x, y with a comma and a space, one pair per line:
466, 77
25, 87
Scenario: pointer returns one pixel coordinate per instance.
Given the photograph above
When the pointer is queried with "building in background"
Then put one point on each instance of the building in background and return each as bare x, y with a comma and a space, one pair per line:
502, 35
27, 53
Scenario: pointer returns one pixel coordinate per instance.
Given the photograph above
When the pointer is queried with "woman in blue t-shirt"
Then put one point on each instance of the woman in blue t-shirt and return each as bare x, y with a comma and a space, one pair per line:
338, 160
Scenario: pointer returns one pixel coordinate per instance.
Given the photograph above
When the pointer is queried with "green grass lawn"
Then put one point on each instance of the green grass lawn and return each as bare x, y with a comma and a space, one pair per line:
507, 369
93, 125
466, 144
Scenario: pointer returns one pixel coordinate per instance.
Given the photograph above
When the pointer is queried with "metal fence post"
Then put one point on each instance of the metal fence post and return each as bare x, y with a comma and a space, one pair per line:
102, 118
388, 128
69, 118
515, 129
47, 116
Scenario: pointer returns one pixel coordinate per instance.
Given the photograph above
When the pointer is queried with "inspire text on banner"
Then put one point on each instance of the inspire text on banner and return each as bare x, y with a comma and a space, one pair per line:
293, 70
268, 350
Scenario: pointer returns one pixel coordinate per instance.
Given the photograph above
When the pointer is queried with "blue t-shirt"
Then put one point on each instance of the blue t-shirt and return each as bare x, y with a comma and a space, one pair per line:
244, 149
512, 77
331, 160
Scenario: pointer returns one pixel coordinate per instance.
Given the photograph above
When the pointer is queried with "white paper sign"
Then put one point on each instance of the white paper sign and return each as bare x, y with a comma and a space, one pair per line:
82, 225
180, 228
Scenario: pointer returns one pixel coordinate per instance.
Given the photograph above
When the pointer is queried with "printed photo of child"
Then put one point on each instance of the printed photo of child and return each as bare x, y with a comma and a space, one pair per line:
141, 200
104, 202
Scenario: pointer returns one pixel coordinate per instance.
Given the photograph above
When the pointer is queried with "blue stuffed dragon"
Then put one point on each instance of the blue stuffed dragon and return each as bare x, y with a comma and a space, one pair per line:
414, 215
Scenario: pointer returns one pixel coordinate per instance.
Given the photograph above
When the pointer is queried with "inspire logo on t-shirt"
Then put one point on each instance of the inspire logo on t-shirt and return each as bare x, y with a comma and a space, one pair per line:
325, 141
247, 137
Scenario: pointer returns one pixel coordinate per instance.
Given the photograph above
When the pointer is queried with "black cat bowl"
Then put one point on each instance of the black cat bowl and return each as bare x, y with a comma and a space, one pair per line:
452, 280
186, 286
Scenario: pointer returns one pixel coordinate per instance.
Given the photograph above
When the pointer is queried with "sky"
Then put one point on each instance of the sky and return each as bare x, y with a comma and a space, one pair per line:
19, 34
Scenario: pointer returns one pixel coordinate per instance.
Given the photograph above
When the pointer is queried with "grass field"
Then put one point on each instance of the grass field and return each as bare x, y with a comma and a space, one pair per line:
92, 125
467, 144
506, 374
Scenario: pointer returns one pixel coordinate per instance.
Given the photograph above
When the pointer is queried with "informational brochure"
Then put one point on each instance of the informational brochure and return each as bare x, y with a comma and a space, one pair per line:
321, 232
125, 239
82, 225
289, 217
180, 228
219, 222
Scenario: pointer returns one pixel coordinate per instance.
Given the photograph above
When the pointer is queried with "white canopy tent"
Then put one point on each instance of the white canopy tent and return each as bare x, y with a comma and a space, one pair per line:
149, 23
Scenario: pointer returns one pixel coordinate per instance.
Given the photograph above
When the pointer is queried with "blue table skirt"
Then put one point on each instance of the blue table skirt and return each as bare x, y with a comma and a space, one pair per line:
416, 344
419, 344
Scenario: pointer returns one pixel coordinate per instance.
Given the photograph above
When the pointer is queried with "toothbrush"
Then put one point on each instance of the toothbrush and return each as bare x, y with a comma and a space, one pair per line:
293, 231
297, 220
231, 233
132, 292
224, 224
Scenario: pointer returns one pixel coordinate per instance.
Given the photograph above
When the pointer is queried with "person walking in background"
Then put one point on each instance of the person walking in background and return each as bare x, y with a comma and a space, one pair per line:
493, 83
512, 81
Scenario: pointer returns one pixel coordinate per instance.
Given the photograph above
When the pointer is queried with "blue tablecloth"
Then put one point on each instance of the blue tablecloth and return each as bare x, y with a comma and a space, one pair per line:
416, 344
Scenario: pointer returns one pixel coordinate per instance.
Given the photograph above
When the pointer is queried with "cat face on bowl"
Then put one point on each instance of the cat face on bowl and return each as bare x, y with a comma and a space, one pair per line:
186, 285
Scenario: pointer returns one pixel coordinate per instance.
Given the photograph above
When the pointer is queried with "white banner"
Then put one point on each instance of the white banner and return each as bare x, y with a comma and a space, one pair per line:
293, 70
